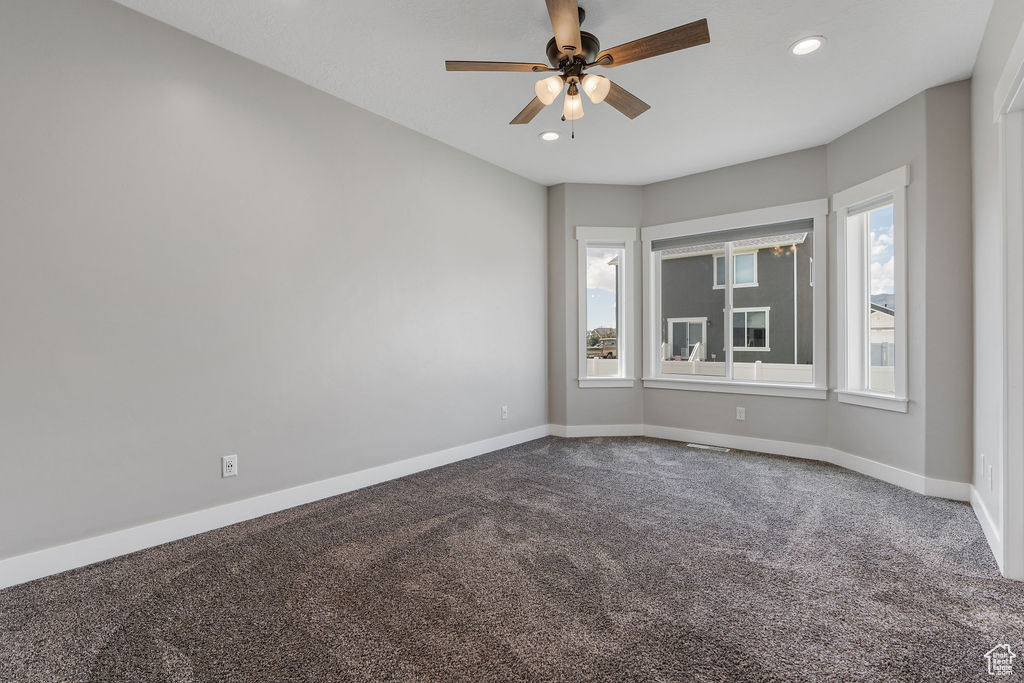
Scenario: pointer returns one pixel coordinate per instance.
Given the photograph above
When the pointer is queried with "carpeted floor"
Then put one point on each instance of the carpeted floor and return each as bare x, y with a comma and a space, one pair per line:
557, 559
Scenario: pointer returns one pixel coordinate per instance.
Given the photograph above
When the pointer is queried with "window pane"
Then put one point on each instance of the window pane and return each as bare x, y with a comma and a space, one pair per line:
602, 311
739, 329
772, 324
692, 323
776, 345
757, 330
745, 269
881, 302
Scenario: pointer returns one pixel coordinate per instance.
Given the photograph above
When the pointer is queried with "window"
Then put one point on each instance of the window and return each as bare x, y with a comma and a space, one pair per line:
687, 336
730, 305
744, 270
871, 220
750, 329
605, 259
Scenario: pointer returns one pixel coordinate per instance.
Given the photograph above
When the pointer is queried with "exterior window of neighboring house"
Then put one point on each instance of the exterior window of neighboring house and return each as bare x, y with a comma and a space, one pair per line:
687, 337
605, 286
872, 292
750, 329
730, 305
744, 272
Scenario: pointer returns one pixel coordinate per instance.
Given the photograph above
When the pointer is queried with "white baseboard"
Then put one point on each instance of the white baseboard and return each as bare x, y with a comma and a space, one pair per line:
989, 526
915, 482
34, 565
577, 431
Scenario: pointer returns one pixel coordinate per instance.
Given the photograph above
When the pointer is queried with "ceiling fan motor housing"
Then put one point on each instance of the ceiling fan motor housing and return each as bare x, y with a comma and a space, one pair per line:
591, 47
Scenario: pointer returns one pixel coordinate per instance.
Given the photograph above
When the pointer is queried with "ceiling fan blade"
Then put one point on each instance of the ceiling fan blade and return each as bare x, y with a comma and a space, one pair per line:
494, 66
565, 19
626, 102
679, 38
527, 114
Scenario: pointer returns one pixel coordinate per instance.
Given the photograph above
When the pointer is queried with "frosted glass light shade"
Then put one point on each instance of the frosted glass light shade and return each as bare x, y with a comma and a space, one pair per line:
548, 89
573, 107
596, 87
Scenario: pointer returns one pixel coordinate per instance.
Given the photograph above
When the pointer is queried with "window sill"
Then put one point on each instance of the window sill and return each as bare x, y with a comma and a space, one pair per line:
868, 400
732, 387
607, 382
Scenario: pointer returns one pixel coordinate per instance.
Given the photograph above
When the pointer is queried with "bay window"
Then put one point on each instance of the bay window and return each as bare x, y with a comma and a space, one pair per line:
730, 303
605, 342
871, 228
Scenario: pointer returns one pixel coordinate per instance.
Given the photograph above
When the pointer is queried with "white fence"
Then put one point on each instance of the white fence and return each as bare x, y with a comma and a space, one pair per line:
756, 371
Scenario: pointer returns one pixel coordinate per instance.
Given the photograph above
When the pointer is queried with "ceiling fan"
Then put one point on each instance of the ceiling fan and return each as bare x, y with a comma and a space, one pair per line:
572, 51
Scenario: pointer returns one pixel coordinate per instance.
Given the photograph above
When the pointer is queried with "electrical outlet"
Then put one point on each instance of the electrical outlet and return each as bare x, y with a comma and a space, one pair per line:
504, 412
228, 466
741, 413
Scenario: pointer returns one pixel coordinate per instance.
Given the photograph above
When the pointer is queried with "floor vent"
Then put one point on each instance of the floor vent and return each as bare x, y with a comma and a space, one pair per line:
707, 447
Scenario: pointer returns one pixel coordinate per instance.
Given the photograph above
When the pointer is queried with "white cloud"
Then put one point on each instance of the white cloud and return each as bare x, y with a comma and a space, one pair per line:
882, 277
881, 244
599, 274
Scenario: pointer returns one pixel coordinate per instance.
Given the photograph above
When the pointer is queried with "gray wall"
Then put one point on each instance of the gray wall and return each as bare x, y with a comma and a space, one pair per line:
570, 206
786, 179
199, 256
929, 132
989, 242
894, 139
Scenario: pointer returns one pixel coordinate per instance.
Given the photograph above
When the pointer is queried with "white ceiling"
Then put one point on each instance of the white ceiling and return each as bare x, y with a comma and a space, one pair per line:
740, 98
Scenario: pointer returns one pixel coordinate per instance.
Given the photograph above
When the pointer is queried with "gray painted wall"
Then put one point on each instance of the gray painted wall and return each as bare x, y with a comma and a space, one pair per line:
786, 179
570, 206
894, 139
199, 256
990, 274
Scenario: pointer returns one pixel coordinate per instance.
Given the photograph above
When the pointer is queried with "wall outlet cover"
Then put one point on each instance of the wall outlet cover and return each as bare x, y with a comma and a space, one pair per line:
229, 466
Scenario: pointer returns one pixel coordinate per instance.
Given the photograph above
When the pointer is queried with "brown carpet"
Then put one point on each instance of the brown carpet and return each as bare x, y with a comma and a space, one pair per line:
558, 559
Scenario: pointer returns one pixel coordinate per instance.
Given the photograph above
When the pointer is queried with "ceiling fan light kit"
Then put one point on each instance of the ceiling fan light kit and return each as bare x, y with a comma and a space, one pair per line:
573, 108
572, 51
596, 87
549, 89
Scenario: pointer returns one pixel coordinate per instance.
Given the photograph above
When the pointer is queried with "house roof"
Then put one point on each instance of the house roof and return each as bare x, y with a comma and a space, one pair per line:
784, 240
882, 309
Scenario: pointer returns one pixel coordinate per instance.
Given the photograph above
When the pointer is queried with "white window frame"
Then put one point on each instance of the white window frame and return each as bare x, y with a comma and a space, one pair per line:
767, 328
817, 211
714, 269
743, 252
704, 329
853, 366
614, 238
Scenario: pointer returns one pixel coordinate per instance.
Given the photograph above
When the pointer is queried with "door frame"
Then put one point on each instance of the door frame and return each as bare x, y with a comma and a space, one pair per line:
704, 331
1009, 114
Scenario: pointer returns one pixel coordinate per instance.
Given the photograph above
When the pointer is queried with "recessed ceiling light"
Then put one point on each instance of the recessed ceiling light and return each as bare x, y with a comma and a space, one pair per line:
806, 46
548, 136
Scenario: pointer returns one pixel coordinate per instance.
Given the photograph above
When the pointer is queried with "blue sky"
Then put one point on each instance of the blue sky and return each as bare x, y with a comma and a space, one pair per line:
600, 287
881, 226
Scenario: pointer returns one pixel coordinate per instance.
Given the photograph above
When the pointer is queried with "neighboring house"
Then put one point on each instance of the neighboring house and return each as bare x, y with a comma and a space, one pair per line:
772, 300
883, 346
883, 339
